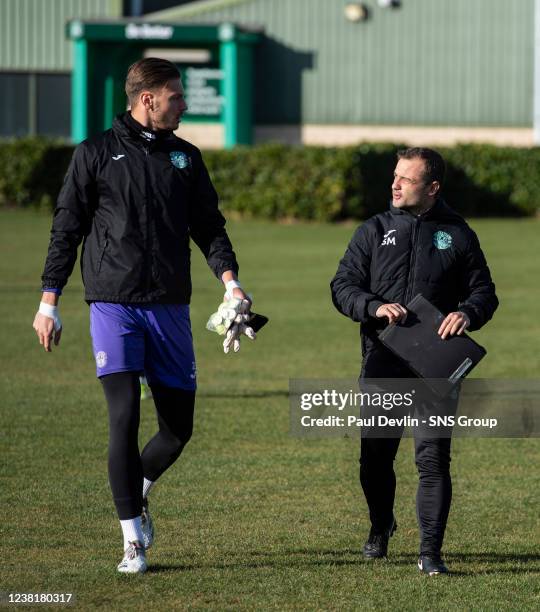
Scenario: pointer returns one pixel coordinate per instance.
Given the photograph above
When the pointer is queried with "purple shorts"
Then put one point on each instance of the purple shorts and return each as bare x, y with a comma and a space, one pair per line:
154, 339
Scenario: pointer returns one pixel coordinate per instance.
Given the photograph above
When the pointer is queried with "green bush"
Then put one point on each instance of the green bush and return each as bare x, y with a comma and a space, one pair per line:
31, 171
329, 184
276, 181
486, 180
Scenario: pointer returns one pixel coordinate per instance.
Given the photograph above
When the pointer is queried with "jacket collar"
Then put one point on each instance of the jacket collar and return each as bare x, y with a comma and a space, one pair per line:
126, 126
437, 210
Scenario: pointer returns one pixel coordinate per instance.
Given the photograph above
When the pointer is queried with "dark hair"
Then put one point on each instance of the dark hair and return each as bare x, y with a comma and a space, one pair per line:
433, 161
149, 73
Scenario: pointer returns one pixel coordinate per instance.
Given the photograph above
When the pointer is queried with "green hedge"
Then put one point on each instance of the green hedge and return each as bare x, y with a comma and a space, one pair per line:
276, 181
32, 171
323, 184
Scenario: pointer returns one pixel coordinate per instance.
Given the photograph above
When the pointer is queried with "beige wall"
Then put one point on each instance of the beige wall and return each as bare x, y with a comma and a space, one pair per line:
335, 135
202, 135
211, 136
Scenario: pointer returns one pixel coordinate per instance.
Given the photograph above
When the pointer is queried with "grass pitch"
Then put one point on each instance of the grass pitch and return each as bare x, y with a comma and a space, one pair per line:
250, 518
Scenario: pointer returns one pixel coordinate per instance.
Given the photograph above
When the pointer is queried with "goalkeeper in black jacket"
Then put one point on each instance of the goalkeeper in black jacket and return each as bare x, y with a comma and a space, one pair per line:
134, 197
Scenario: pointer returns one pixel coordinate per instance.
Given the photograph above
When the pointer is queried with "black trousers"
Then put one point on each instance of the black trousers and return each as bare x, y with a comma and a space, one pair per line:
127, 467
432, 455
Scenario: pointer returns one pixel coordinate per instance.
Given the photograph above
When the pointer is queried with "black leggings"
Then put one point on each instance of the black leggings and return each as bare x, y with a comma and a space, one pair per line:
434, 494
127, 466
377, 477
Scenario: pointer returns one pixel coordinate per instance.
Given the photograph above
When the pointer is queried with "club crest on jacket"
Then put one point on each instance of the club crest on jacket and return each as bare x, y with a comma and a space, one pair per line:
179, 159
442, 240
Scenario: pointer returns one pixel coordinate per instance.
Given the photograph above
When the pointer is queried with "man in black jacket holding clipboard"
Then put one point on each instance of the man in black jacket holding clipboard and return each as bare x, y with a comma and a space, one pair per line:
420, 245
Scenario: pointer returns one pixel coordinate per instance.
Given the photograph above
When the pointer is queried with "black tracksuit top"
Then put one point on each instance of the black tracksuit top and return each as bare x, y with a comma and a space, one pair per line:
134, 199
395, 255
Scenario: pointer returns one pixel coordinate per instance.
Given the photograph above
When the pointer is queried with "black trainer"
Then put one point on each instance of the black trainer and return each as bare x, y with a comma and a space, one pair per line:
376, 546
432, 565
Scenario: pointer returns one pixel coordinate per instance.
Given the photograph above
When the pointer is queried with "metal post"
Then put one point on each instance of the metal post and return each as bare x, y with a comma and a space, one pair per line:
32, 104
79, 91
136, 9
229, 67
536, 101
108, 102
236, 87
245, 89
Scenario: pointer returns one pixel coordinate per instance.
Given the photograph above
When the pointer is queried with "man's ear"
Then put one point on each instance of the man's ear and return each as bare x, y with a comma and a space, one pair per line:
434, 188
147, 100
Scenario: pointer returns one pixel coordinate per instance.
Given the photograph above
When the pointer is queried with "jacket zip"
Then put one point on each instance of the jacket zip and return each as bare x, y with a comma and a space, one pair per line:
148, 221
103, 249
412, 261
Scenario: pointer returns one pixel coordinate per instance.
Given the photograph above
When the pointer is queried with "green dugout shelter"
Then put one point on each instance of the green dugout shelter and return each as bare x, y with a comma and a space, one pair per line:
103, 51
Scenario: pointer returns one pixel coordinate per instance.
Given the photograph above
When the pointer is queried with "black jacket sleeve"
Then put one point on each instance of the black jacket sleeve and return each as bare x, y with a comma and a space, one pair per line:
350, 285
478, 301
207, 224
72, 219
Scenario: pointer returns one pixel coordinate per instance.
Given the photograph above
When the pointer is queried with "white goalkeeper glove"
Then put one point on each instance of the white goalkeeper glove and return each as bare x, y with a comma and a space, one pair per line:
233, 336
230, 321
226, 315
238, 327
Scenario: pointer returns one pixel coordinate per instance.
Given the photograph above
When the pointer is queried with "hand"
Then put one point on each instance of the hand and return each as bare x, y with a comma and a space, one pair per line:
394, 312
239, 294
233, 336
46, 330
232, 316
454, 323
238, 328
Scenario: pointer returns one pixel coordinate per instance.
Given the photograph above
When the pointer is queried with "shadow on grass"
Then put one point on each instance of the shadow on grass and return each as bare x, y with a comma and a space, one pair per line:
494, 556
247, 393
529, 563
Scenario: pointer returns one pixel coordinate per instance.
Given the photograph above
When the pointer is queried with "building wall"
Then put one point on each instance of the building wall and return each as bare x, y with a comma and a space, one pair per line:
35, 63
32, 32
430, 62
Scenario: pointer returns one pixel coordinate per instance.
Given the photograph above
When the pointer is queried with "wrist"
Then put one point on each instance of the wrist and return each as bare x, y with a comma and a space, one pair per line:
51, 311
48, 310
231, 285
50, 297
465, 316
373, 306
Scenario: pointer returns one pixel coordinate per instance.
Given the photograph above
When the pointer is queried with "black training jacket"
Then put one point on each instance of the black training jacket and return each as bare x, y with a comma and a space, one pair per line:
134, 198
395, 255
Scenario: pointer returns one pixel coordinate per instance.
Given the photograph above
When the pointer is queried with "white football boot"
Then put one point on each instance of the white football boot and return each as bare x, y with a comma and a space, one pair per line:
134, 561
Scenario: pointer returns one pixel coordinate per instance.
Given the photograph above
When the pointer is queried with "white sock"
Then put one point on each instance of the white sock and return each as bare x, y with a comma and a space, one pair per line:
147, 485
131, 528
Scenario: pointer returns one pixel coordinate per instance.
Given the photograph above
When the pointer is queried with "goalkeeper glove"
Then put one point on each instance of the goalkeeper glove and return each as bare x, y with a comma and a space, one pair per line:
230, 321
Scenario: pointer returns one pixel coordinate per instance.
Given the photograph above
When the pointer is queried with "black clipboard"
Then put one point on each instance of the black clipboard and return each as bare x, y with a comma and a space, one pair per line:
441, 363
